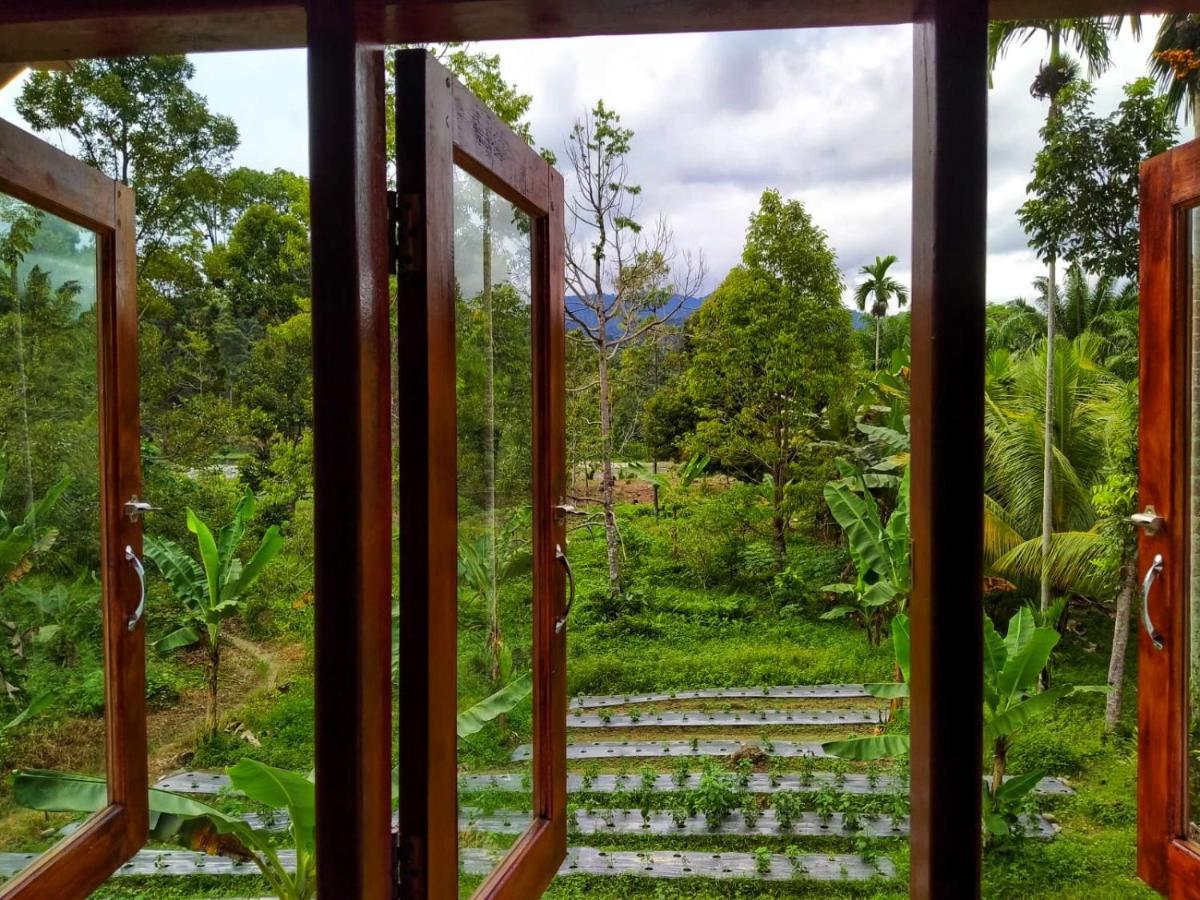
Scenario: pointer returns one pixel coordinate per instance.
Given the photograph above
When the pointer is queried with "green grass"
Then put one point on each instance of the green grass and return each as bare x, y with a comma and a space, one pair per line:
671, 629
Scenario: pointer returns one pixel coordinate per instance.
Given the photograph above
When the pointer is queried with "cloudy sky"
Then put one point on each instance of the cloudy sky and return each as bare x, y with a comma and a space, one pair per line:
824, 116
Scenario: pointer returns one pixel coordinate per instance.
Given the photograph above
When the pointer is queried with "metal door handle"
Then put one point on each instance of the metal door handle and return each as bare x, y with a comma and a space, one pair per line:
135, 508
1152, 573
1148, 520
136, 616
561, 556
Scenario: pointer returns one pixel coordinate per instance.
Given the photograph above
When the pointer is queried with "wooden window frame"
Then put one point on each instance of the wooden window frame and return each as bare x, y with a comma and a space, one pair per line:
441, 125
1170, 188
352, 472
35, 172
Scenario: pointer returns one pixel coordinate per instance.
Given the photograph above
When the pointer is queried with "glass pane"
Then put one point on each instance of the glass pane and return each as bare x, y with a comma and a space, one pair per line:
51, 647
495, 585
1193, 755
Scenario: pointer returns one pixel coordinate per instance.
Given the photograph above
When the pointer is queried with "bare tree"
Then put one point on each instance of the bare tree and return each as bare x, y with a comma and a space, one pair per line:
626, 282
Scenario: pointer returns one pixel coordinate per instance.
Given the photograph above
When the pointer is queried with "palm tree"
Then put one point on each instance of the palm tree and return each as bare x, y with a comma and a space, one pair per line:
1013, 416
1089, 38
1175, 62
1099, 561
881, 289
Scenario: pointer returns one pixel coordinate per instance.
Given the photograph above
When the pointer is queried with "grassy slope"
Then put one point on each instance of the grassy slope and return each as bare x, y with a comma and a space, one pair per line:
672, 633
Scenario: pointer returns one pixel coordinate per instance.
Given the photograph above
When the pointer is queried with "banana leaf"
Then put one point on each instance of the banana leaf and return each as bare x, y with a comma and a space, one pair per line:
1012, 718
180, 637
471, 720
881, 746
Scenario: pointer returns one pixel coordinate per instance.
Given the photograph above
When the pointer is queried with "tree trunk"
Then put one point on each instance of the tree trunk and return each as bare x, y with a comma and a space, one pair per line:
878, 328
24, 381
214, 671
607, 479
778, 520
495, 638
1120, 641
1048, 457
654, 486
999, 765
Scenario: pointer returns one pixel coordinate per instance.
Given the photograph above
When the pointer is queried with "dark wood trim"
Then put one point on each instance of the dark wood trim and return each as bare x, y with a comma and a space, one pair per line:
49, 179
438, 124
949, 239
427, 466
77, 29
352, 449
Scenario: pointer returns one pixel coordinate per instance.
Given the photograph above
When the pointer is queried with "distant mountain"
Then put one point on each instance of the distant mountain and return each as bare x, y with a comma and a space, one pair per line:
860, 320
678, 316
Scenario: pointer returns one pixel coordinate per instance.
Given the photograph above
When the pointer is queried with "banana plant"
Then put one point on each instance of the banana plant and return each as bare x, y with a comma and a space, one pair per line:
883, 746
20, 542
174, 817
213, 589
1011, 667
484, 565
880, 552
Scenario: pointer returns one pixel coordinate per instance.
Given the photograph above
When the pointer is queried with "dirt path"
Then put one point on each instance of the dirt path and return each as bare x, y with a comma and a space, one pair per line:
248, 670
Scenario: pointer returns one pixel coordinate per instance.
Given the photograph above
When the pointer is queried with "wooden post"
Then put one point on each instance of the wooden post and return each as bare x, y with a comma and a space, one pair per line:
949, 247
352, 446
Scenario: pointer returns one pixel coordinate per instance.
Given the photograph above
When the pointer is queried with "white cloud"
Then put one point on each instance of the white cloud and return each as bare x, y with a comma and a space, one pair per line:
825, 116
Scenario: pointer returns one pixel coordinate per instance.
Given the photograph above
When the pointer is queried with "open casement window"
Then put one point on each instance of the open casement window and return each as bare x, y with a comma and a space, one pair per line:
478, 255
1169, 545
69, 437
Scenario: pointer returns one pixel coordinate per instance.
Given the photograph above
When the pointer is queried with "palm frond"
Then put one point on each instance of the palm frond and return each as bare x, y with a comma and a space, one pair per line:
1072, 563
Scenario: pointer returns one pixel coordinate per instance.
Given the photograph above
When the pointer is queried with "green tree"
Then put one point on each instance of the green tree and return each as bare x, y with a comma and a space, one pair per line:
772, 350
137, 120
1089, 37
1083, 197
879, 290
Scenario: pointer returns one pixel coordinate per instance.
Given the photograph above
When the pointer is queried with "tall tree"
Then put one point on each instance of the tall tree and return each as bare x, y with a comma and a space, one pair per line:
1082, 203
879, 289
1089, 38
626, 282
137, 120
772, 350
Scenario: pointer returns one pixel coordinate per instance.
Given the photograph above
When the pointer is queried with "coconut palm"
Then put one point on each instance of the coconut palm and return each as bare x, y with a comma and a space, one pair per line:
1089, 37
1099, 562
880, 288
1013, 416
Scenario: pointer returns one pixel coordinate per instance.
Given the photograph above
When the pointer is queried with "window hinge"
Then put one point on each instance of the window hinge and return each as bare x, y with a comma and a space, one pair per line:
407, 872
404, 232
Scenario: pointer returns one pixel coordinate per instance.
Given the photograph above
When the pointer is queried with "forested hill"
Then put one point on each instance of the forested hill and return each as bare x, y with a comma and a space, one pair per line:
580, 309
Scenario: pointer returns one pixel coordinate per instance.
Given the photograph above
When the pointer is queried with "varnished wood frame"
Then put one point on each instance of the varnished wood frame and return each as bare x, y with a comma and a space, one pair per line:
41, 175
1170, 185
74, 29
439, 124
69, 29
948, 333
351, 451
